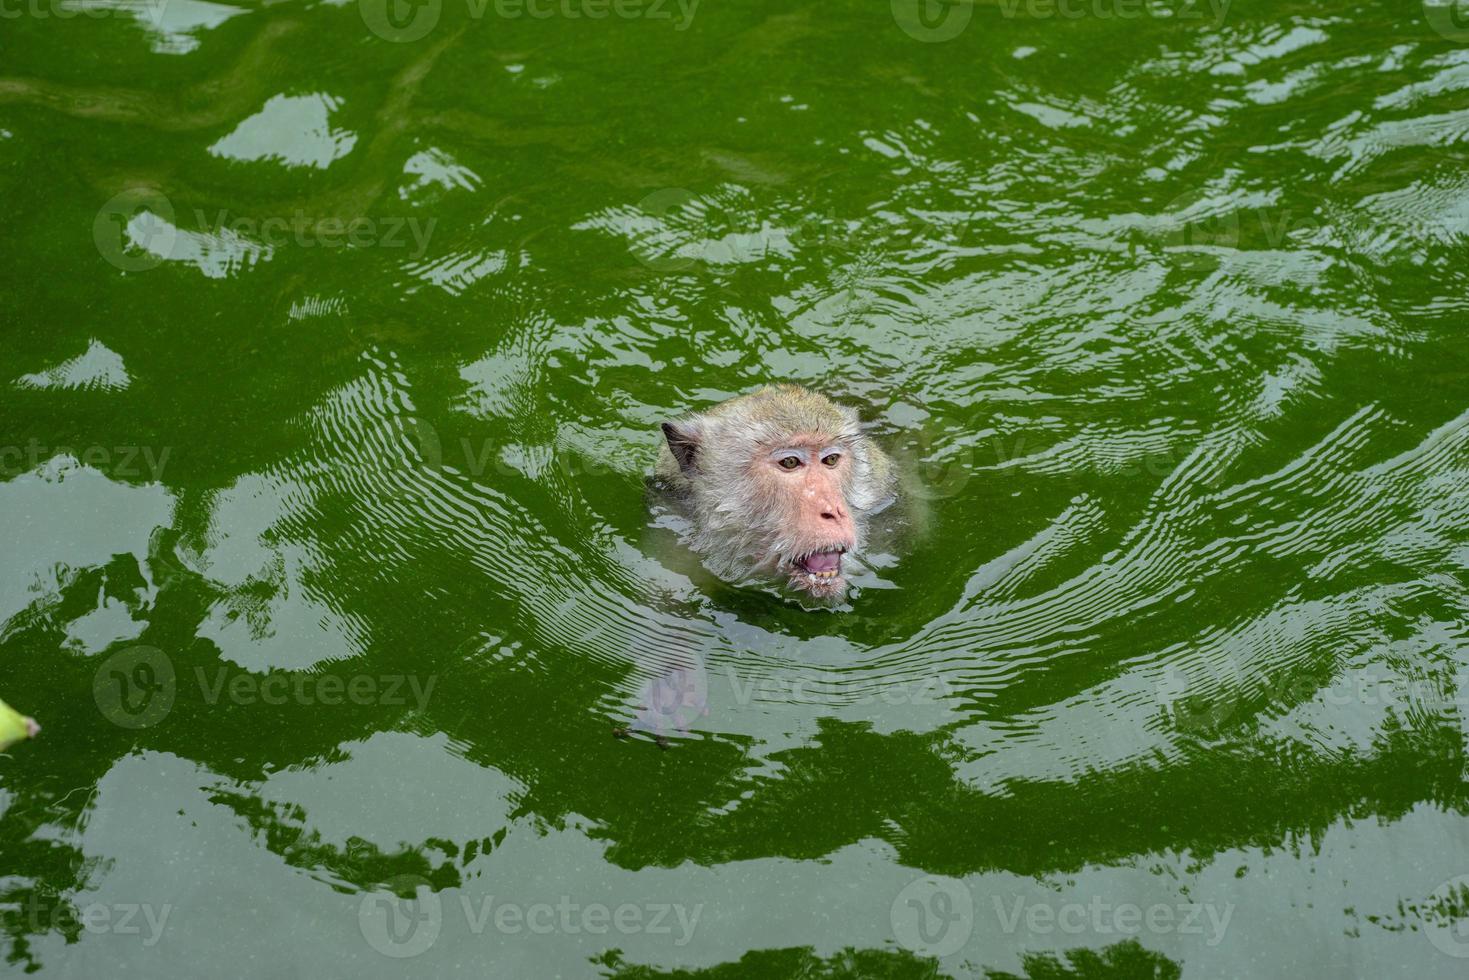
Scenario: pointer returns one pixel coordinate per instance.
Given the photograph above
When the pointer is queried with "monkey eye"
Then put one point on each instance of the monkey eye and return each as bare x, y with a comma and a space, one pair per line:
789, 462
831, 459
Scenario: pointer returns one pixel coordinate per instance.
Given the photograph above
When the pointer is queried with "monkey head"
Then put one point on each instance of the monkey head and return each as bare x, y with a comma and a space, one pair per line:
778, 482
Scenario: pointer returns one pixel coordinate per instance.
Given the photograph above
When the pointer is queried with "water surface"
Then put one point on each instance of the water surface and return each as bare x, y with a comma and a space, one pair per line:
336, 341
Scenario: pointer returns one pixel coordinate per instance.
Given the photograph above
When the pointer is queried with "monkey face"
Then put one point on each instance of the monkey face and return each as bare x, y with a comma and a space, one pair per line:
806, 480
777, 482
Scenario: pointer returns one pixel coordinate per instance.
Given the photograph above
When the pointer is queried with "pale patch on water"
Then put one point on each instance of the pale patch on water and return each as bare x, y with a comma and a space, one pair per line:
64, 515
171, 25
217, 254
266, 615
97, 368
435, 168
294, 130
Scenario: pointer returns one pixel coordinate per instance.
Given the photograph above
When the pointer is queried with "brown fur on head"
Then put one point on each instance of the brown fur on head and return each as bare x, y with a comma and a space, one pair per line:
778, 482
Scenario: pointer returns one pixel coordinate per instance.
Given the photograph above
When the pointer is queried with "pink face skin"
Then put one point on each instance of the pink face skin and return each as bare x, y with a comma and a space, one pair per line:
809, 474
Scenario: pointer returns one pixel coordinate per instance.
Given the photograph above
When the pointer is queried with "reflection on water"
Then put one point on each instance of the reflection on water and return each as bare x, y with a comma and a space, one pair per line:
334, 370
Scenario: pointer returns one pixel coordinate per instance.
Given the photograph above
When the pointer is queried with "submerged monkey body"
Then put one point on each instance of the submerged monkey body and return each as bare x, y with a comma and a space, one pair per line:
778, 482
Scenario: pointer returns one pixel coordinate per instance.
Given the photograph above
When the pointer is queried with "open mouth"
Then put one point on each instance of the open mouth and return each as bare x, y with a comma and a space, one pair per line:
820, 566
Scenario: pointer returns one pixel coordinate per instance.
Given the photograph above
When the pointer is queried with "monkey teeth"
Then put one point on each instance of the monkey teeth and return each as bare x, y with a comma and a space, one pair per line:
819, 567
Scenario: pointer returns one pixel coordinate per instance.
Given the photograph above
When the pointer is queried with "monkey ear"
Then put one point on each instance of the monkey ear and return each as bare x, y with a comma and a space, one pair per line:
683, 441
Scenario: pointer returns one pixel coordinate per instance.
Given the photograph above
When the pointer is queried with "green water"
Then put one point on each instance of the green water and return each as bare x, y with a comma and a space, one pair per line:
335, 342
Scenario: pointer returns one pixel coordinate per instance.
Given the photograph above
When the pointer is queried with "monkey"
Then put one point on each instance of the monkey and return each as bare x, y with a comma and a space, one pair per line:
777, 483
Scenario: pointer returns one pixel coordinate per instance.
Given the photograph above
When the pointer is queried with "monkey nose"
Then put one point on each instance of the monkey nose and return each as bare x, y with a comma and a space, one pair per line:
831, 509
